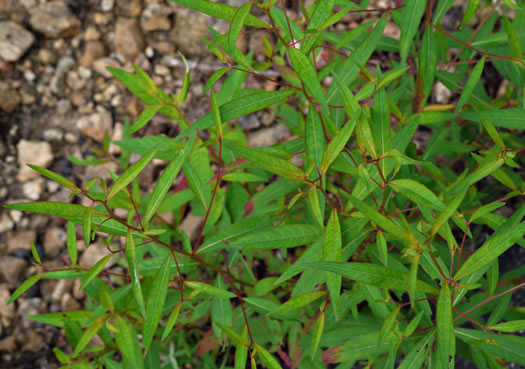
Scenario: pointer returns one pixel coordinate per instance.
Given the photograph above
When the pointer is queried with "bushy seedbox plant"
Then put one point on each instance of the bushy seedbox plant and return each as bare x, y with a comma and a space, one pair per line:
347, 243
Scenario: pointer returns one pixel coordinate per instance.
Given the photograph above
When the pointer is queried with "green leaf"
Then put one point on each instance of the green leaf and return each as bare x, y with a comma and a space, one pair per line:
197, 184
472, 81
314, 137
237, 338
449, 210
316, 334
445, 327
35, 254
221, 11
144, 89
414, 323
50, 208
509, 327
214, 78
412, 14
387, 326
144, 117
128, 344
131, 173
372, 274
171, 320
210, 290
267, 358
131, 257
166, 180
55, 177
306, 72
483, 170
381, 248
268, 162
417, 192
471, 9
88, 335
72, 243
156, 298
322, 11
381, 220
242, 177
216, 114
238, 20
381, 118
86, 225
28, 283
415, 358
221, 310
491, 249
338, 143
280, 237
94, 271
297, 302
241, 351
332, 251
485, 209
506, 118
491, 130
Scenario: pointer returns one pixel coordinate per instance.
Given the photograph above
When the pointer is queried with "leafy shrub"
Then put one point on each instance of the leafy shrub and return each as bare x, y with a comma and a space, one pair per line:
346, 243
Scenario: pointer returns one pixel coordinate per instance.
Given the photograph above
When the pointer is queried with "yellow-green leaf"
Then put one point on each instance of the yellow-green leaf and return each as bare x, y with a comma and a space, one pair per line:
131, 256
28, 283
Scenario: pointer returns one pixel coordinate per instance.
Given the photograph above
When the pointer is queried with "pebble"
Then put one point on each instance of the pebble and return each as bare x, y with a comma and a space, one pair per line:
155, 18
54, 19
8, 344
22, 239
101, 64
54, 241
46, 56
93, 254
268, 136
68, 303
118, 131
188, 31
91, 34
62, 287
7, 312
34, 189
6, 224
93, 50
32, 152
128, 41
107, 5
58, 84
15, 40
29, 307
10, 97
13, 269
96, 125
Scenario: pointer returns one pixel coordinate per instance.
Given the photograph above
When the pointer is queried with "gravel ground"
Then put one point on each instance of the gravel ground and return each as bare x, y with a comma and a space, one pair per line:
58, 100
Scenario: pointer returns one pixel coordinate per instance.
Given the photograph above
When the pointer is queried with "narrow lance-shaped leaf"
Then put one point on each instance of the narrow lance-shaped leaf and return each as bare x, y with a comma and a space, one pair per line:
128, 344
481, 172
387, 326
472, 81
166, 180
216, 113
381, 126
509, 327
55, 177
171, 320
445, 327
72, 243
61, 209
412, 14
338, 143
237, 338
415, 358
157, 296
241, 351
381, 220
317, 334
221, 310
298, 302
381, 248
417, 192
237, 22
88, 335
214, 78
94, 271
491, 130
268, 162
332, 251
28, 283
267, 358
131, 173
280, 237
306, 72
314, 137
372, 274
494, 247
131, 256
87, 225
144, 117
471, 9
210, 290
449, 210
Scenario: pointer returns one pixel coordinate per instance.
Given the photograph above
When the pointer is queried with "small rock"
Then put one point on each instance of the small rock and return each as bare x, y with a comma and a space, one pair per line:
188, 31
34, 342
100, 171
128, 38
58, 84
54, 241
34, 189
6, 224
68, 303
96, 125
21, 239
268, 136
63, 106
191, 225
117, 136
249, 122
7, 312
101, 64
107, 5
13, 269
15, 40
78, 98
62, 287
93, 254
130, 8
54, 19
29, 307
93, 50
10, 98
91, 34
46, 56
32, 152
155, 18
8, 344
75, 80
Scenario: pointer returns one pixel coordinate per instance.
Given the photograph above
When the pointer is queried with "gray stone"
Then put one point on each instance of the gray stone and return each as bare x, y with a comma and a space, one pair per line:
58, 82
54, 241
54, 19
10, 97
96, 125
34, 189
155, 18
29, 307
93, 254
268, 136
15, 40
93, 50
188, 31
129, 41
100, 66
21, 239
7, 312
6, 224
13, 269
32, 152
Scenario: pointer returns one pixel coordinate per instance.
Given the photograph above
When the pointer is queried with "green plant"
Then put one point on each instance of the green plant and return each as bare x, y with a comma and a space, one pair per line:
347, 243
